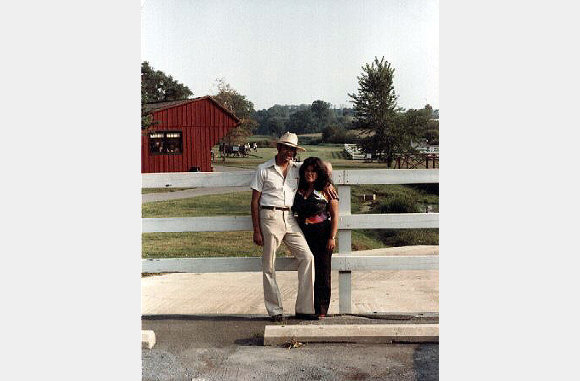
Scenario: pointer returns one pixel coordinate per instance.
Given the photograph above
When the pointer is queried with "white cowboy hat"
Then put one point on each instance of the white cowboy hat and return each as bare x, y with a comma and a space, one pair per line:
290, 139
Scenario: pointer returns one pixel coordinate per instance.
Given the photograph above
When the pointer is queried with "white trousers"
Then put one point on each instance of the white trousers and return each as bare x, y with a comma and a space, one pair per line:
278, 226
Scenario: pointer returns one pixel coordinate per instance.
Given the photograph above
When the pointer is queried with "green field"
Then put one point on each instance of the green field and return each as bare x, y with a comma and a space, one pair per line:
161, 190
331, 152
215, 244
222, 244
229, 204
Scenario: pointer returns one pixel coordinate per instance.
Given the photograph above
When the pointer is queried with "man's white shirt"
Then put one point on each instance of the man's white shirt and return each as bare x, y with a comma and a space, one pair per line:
276, 190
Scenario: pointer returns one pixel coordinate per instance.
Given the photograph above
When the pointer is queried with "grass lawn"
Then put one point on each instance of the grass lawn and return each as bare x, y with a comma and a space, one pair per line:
331, 152
229, 204
223, 244
383, 192
161, 190
235, 244
203, 244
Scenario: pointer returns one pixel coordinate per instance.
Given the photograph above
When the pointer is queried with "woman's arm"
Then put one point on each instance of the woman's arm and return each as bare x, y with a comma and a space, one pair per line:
333, 209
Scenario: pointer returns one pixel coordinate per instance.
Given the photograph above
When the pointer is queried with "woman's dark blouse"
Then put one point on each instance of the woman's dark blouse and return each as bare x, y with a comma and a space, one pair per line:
313, 209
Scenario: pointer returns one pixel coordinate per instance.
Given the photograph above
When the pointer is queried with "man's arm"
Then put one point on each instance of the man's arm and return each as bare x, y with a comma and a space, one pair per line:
330, 190
255, 206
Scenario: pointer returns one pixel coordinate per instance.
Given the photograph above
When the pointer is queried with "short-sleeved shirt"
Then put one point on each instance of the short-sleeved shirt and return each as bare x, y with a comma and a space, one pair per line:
276, 190
313, 209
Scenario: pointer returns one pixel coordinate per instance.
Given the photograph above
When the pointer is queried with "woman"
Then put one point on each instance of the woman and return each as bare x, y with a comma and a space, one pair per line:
318, 217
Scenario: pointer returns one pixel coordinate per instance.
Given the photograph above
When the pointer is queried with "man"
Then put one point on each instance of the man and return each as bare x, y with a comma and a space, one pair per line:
274, 187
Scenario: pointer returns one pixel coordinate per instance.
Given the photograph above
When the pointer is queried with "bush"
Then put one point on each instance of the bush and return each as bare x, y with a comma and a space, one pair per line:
399, 199
265, 143
403, 237
338, 135
399, 203
427, 188
410, 237
310, 140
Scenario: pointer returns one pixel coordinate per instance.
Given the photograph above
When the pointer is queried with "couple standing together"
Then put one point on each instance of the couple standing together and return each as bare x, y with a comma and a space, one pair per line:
283, 188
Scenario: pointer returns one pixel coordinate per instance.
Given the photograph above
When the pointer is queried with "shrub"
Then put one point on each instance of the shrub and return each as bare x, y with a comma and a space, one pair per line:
399, 203
399, 199
410, 237
338, 135
403, 237
427, 188
265, 143
310, 140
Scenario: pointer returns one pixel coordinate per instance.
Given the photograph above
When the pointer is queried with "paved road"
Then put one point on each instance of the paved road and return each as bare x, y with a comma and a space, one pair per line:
151, 197
230, 348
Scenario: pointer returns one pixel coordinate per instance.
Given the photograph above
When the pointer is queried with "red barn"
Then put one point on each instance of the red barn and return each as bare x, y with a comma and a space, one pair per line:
183, 133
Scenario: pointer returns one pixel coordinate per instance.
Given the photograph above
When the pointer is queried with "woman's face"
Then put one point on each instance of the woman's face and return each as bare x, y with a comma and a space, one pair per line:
310, 175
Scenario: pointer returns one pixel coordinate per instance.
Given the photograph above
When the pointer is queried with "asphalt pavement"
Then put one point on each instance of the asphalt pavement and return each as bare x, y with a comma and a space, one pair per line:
209, 347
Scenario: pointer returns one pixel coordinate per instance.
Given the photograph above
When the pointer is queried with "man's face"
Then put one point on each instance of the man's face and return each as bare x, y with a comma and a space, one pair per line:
286, 153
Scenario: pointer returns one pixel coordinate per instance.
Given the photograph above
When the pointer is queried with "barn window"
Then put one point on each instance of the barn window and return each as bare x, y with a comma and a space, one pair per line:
165, 142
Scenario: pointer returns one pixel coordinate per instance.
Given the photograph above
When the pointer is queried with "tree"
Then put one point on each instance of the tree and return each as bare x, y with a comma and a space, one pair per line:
322, 115
301, 122
156, 86
159, 87
421, 122
275, 126
377, 113
338, 134
241, 107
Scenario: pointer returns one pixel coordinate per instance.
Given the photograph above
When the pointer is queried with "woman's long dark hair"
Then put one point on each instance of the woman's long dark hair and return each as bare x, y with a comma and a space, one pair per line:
321, 181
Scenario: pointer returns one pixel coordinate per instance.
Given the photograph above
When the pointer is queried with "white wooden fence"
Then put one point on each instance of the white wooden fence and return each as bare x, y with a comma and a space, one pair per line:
343, 261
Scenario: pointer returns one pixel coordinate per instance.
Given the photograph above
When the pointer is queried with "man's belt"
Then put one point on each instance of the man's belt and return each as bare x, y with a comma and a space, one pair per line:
275, 208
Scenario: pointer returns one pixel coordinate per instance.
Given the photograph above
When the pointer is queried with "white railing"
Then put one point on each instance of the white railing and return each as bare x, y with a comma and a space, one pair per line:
353, 151
343, 261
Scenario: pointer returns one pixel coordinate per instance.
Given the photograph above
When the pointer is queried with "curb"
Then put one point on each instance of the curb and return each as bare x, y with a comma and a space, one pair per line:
147, 339
352, 333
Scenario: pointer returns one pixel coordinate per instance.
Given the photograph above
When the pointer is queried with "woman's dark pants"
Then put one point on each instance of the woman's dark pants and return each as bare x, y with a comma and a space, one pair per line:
317, 236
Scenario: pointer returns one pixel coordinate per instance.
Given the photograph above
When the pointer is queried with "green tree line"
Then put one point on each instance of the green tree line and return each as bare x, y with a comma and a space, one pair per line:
382, 127
302, 119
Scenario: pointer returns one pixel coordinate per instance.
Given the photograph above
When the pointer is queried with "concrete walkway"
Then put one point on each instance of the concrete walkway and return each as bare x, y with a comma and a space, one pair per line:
241, 293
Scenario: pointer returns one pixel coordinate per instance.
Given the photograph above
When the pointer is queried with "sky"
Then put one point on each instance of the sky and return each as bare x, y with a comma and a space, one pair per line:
294, 52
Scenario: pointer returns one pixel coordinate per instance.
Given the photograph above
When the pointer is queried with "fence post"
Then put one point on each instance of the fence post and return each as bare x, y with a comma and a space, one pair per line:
344, 245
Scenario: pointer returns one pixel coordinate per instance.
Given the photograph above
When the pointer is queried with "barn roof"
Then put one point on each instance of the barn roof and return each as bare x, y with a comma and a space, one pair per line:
152, 107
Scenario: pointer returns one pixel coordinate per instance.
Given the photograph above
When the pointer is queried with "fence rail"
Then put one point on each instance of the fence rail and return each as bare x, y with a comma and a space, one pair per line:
254, 264
244, 223
243, 178
342, 261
